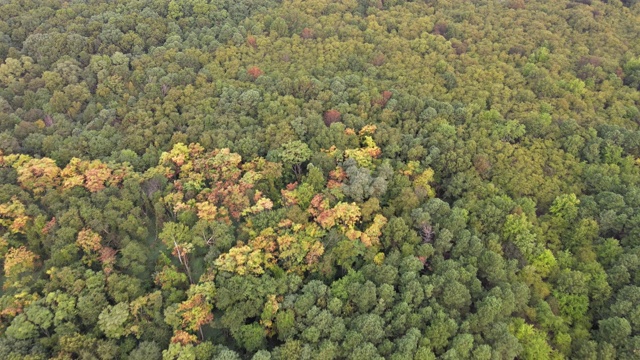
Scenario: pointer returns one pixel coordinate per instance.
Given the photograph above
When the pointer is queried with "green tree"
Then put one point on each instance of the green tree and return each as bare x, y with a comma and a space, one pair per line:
293, 154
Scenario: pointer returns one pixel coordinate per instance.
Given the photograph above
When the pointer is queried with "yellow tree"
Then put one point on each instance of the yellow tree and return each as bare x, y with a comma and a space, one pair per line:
38, 175
13, 217
196, 311
17, 261
90, 243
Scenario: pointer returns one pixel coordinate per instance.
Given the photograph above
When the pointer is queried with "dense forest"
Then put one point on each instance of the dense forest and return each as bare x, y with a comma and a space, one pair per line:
319, 179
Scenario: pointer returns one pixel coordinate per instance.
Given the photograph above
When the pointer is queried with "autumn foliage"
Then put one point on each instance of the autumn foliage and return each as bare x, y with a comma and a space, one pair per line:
40, 175
220, 186
89, 241
184, 338
18, 260
307, 33
195, 312
332, 116
255, 72
385, 96
379, 59
168, 189
13, 216
440, 28
251, 40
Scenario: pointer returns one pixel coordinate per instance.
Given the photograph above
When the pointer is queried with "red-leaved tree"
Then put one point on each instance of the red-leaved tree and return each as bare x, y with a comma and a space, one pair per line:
332, 116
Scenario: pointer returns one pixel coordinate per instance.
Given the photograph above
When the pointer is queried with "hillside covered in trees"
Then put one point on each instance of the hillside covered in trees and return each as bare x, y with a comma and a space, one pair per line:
319, 179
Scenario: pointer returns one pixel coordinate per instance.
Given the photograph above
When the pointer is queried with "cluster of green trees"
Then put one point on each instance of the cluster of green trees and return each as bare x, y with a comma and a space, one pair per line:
319, 179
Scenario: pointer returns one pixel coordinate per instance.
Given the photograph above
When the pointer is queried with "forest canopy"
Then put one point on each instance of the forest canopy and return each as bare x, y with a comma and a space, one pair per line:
319, 179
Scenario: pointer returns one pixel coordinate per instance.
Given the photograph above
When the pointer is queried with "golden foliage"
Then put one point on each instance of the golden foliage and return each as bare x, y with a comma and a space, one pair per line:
13, 217
18, 260
89, 241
